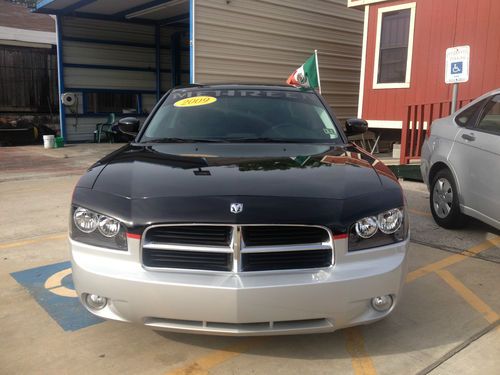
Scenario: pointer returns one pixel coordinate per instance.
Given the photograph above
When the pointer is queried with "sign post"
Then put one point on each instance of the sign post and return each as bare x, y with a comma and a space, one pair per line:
457, 70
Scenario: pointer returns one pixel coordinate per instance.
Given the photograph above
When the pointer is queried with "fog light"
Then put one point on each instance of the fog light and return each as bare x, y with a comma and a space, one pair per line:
382, 303
95, 302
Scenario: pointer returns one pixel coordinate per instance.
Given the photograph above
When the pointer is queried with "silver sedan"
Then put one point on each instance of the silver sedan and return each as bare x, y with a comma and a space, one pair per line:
461, 164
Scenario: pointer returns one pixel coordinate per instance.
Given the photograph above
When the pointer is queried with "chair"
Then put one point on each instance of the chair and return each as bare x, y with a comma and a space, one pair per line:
368, 141
106, 129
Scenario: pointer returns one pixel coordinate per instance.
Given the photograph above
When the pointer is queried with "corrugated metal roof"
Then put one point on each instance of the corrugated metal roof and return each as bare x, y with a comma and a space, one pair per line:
146, 11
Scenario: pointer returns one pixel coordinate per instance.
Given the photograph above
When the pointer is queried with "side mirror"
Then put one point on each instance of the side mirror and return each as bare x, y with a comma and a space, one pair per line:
356, 126
129, 126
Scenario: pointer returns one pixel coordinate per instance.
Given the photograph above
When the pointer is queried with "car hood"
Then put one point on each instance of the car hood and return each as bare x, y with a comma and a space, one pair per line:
277, 183
294, 170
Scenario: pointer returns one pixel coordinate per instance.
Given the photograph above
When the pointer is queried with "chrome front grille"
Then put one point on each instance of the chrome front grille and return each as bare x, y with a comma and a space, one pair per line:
237, 248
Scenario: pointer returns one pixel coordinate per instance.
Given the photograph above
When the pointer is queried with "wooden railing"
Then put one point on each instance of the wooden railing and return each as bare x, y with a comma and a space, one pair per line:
417, 126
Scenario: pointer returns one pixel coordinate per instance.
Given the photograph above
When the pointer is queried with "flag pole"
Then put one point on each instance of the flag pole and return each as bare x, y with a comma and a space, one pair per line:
317, 69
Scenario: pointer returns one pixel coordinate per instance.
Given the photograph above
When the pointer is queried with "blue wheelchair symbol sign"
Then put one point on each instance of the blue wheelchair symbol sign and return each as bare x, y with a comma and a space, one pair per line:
457, 67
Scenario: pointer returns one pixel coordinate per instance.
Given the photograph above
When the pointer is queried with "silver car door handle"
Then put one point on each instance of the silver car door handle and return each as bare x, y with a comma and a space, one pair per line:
469, 137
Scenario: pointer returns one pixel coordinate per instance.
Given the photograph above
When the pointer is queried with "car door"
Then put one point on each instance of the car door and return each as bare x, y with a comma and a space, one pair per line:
475, 156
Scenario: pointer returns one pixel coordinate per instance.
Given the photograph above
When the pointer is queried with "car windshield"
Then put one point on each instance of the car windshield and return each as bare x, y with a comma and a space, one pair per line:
241, 116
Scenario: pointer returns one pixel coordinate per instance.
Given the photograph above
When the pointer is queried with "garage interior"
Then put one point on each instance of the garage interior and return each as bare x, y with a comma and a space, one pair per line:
117, 58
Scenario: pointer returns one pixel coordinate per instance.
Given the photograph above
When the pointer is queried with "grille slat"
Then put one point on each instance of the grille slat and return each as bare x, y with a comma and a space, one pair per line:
278, 235
190, 235
187, 260
286, 260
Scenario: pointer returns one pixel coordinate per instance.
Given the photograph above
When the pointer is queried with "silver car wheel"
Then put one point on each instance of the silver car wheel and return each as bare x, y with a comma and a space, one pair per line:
442, 197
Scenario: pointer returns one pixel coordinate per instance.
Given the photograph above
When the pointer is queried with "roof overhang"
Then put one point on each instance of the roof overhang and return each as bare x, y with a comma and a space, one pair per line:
158, 12
362, 3
28, 38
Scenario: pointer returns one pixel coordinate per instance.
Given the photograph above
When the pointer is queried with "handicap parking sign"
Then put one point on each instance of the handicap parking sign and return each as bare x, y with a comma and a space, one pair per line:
457, 64
52, 287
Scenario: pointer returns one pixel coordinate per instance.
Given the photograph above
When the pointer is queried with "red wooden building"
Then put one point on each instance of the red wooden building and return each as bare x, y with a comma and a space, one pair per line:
402, 85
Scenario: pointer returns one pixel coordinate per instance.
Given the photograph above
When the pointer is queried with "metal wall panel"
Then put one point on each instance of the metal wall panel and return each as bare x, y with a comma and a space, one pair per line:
264, 41
108, 30
109, 79
89, 44
92, 53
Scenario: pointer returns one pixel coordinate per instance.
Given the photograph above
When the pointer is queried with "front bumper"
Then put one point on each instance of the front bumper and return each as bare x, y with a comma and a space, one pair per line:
244, 304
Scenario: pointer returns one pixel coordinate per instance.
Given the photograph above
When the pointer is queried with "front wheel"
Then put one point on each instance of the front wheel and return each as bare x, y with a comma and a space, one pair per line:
445, 206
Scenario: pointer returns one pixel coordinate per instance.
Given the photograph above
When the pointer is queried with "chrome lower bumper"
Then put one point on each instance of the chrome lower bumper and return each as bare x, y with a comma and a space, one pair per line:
260, 303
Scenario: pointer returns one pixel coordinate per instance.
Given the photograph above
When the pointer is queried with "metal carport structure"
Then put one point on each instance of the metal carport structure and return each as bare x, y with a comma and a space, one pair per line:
117, 57
110, 51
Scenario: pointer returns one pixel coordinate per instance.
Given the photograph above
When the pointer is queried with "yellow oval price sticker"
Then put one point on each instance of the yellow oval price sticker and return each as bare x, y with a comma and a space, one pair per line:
196, 101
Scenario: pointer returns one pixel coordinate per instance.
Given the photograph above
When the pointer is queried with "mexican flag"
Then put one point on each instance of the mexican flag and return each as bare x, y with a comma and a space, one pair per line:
307, 75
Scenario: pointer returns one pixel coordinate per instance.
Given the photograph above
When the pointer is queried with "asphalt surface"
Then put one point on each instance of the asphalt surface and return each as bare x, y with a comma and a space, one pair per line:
446, 322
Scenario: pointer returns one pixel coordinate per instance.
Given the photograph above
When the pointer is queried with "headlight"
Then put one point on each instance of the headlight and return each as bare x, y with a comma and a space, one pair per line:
367, 227
383, 229
85, 220
390, 221
96, 229
108, 227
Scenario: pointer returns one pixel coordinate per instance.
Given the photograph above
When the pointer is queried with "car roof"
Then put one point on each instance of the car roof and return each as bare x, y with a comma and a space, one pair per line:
475, 101
239, 86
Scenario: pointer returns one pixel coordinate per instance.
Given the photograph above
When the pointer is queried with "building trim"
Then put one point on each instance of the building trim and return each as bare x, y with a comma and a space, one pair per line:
117, 67
192, 5
117, 43
118, 91
141, 8
29, 36
79, 4
363, 62
359, 3
43, 3
385, 124
409, 58
110, 67
16, 43
110, 42
60, 75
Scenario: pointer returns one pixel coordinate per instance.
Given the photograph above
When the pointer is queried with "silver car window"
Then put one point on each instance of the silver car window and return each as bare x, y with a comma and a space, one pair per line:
468, 117
490, 121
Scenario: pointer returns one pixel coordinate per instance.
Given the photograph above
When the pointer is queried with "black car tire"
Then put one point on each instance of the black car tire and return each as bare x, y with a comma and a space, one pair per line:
445, 208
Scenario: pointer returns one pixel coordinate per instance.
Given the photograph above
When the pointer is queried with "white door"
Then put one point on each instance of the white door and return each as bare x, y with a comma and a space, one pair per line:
476, 160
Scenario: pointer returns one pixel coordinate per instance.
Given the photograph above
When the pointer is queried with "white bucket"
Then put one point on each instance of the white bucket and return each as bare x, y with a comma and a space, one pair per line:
48, 141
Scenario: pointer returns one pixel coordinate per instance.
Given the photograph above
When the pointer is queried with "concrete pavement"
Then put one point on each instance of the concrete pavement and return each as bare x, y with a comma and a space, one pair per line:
444, 324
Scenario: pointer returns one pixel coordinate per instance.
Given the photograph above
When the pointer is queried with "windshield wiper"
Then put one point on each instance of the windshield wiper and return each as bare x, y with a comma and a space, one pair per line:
184, 140
263, 140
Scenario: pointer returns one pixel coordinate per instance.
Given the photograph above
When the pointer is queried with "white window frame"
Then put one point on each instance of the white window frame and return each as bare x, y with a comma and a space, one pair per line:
409, 57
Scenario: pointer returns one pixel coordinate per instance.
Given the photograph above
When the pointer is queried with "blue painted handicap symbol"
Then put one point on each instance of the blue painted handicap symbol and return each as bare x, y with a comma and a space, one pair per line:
52, 287
457, 67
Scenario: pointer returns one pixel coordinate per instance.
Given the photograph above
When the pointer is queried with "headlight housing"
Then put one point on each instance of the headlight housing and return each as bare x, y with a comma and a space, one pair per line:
95, 229
379, 230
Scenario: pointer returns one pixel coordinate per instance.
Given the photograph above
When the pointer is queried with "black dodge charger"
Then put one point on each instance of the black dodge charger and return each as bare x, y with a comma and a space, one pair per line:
239, 210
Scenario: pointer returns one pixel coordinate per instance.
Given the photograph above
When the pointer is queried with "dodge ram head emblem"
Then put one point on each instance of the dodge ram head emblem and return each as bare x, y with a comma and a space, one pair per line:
236, 208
